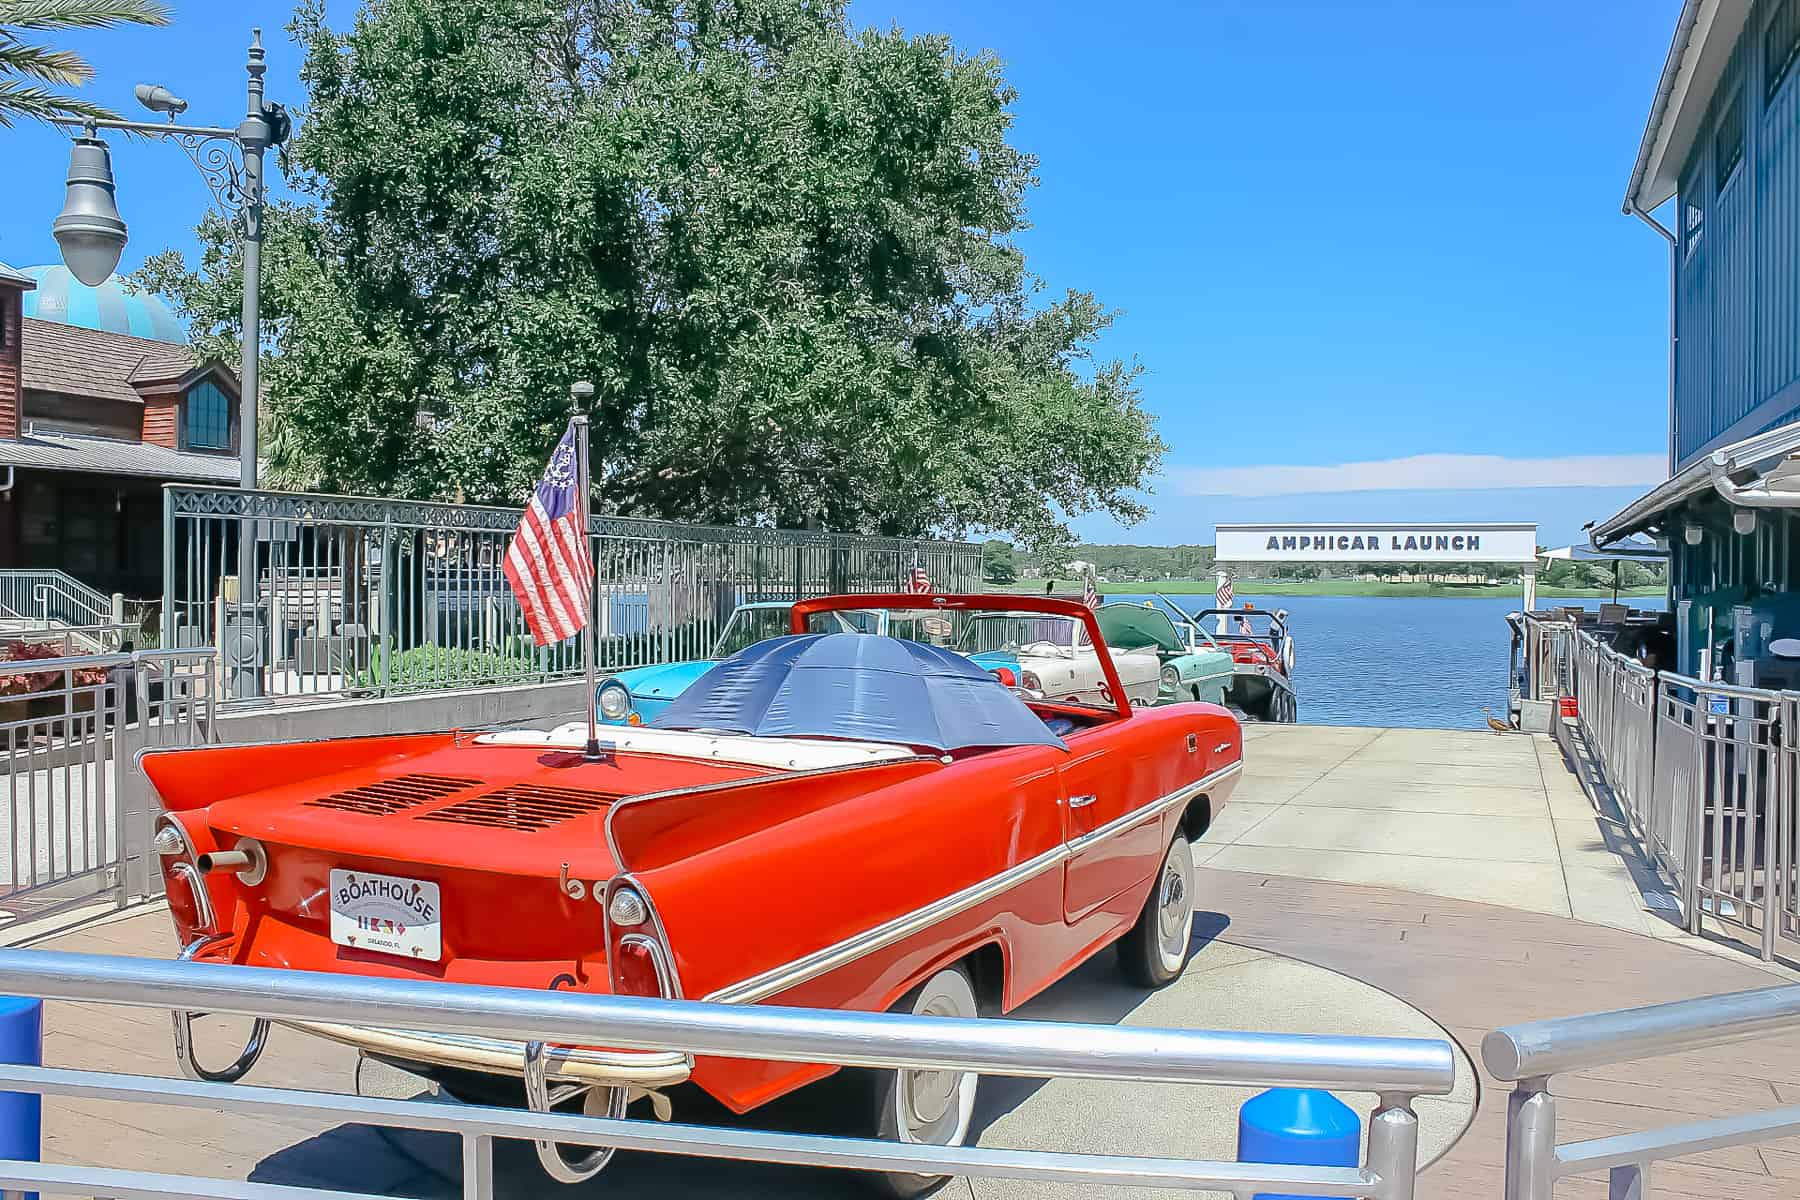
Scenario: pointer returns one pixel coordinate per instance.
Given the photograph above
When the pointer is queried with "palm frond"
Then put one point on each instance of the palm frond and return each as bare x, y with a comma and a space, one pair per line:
63, 67
80, 14
31, 102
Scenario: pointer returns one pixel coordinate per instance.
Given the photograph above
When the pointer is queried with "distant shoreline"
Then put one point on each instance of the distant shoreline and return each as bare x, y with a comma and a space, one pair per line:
1330, 587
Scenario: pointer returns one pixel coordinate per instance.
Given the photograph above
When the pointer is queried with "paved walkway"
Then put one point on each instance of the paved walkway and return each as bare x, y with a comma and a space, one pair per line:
1475, 967
1465, 815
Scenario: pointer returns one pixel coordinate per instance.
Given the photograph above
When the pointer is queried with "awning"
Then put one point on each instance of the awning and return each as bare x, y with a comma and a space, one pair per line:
112, 456
1760, 471
1631, 549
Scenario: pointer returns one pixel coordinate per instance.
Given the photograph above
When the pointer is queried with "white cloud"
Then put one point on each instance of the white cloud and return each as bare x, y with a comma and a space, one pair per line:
1424, 472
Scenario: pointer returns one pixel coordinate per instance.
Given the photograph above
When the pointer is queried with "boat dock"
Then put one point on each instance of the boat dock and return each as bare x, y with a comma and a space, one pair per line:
1387, 882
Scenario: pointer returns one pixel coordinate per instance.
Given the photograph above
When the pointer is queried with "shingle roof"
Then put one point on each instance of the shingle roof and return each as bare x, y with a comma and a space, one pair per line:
16, 278
110, 456
88, 362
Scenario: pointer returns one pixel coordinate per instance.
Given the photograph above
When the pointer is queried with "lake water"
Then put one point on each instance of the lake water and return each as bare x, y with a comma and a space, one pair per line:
1418, 661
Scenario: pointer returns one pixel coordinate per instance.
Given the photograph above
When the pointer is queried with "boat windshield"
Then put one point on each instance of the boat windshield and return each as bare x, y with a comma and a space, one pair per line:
749, 626
1022, 633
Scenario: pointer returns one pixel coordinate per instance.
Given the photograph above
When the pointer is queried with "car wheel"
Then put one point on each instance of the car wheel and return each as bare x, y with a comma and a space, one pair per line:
931, 1108
1156, 949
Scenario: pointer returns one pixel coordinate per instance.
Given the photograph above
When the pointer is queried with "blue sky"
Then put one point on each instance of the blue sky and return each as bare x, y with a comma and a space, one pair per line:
1372, 237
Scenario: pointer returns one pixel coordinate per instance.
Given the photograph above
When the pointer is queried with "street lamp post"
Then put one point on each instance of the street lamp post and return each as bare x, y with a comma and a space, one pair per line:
91, 236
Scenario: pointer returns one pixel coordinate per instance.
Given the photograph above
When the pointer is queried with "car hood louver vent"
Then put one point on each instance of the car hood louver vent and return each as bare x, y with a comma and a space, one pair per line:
388, 796
522, 806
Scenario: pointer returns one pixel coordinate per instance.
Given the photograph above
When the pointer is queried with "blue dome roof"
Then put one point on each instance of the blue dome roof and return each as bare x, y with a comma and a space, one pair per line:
62, 298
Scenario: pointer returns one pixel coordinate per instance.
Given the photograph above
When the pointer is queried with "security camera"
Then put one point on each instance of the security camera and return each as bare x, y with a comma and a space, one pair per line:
160, 99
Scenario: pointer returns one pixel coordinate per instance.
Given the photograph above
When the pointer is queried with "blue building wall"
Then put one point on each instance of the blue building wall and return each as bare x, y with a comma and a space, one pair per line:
1737, 307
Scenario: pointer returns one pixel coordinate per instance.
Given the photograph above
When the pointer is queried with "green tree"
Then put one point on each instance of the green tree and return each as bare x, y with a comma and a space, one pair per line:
781, 249
997, 563
29, 71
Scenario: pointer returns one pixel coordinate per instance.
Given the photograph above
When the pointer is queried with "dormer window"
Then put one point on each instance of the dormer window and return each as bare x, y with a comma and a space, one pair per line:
206, 418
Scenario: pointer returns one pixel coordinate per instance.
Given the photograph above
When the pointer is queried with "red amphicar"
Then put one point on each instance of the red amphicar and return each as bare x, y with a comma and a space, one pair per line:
829, 820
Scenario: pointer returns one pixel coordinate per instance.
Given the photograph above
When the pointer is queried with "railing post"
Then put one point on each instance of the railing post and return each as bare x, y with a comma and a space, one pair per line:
1699, 784
1530, 1140
388, 594
478, 1166
168, 568
1394, 1146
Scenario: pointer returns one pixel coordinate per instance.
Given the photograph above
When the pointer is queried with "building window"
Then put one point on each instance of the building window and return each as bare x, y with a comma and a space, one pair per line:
1728, 143
206, 418
1781, 41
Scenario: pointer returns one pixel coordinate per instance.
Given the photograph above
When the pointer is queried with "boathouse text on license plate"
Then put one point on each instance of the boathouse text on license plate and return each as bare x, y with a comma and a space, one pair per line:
387, 914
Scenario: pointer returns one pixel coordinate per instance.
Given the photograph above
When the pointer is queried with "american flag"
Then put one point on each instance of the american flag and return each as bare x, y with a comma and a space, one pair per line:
1090, 595
1222, 597
547, 562
918, 582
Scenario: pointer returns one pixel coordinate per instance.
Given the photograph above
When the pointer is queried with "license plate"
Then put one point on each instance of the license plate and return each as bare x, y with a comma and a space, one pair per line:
387, 914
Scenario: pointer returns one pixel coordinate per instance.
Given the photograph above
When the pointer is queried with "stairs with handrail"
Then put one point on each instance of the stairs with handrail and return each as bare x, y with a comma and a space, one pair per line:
48, 601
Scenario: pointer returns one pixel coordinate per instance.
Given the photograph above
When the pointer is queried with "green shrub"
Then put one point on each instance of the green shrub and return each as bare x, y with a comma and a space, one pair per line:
424, 665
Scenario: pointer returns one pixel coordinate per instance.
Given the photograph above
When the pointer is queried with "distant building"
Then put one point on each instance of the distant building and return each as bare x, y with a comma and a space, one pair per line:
101, 403
1721, 142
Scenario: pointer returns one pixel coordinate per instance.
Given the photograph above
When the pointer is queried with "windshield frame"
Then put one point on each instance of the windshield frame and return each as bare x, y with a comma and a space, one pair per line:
979, 602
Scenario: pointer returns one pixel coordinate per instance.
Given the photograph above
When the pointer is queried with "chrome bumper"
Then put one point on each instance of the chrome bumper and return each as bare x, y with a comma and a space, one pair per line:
563, 1064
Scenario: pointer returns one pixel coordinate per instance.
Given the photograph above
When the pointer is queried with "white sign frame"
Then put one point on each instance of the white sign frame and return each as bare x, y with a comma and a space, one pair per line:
1377, 542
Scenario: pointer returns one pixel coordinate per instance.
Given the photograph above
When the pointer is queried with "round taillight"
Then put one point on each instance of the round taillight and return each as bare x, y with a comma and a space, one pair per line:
627, 909
1032, 682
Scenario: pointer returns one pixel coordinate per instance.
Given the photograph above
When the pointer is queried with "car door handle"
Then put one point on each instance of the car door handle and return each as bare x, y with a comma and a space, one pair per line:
1082, 801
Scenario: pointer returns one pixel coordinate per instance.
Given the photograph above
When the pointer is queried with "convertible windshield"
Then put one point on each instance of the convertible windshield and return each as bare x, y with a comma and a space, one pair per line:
1032, 633
751, 625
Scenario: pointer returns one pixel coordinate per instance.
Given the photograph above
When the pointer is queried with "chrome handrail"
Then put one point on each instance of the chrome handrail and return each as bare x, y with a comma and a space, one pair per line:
1599, 1039
1530, 1055
1397, 1069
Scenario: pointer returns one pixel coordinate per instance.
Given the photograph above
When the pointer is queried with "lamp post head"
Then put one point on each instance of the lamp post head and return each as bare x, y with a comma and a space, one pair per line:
89, 230
160, 99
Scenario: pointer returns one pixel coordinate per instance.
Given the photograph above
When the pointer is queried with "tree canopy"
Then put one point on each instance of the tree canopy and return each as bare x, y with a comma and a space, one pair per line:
782, 249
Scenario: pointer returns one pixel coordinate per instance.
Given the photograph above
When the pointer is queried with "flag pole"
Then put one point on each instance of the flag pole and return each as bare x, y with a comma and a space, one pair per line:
581, 394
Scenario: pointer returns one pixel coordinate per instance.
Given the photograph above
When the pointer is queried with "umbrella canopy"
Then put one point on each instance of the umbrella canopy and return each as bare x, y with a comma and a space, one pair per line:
857, 685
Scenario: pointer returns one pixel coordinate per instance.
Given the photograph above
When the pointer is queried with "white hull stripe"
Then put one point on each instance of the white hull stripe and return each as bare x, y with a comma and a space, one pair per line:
780, 979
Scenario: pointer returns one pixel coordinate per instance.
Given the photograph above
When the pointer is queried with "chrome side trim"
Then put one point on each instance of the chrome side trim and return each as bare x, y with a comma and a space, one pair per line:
792, 974
770, 983
1139, 816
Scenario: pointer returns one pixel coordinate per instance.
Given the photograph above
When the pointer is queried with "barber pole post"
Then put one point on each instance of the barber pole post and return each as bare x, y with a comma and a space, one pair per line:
1222, 599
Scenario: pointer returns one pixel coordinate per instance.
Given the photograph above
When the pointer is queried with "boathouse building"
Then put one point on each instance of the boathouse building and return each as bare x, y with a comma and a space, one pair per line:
1723, 144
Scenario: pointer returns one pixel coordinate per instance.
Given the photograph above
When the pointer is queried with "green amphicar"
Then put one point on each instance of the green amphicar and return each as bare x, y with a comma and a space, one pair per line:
1191, 671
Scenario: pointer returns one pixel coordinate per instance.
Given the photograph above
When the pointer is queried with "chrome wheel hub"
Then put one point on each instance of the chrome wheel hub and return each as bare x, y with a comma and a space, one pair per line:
928, 1095
1174, 909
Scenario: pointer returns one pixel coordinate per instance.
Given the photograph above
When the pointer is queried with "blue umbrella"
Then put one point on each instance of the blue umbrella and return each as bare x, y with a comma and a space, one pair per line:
861, 686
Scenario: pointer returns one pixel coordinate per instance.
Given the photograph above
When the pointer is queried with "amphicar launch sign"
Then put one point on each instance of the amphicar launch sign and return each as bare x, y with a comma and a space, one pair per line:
1375, 542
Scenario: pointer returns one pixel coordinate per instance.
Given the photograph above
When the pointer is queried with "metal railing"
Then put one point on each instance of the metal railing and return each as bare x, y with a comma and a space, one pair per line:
1708, 777
52, 595
76, 813
1531, 1055
1396, 1069
367, 596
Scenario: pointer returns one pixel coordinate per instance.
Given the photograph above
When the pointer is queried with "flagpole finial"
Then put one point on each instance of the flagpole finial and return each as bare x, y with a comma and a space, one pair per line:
581, 394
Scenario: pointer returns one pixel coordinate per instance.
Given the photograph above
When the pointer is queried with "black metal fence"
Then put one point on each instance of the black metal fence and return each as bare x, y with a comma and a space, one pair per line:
364, 596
